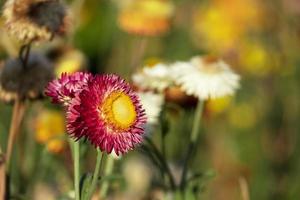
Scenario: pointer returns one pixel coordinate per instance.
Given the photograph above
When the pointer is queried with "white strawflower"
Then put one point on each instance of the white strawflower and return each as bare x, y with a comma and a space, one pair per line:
205, 78
152, 103
157, 77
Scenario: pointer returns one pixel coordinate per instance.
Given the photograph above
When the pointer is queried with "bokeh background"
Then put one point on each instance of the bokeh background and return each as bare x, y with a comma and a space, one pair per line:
250, 142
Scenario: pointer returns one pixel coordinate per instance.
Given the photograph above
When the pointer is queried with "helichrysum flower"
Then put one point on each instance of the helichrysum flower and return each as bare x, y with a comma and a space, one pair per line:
146, 17
35, 20
108, 112
206, 77
157, 77
65, 88
25, 82
152, 103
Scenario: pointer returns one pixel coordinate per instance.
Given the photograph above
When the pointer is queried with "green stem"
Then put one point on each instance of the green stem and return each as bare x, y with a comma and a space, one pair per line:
99, 163
193, 141
108, 170
76, 150
178, 195
163, 145
153, 157
163, 152
163, 162
197, 120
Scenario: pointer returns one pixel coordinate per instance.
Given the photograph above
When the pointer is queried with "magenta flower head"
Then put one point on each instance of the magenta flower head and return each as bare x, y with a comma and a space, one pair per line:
64, 89
109, 113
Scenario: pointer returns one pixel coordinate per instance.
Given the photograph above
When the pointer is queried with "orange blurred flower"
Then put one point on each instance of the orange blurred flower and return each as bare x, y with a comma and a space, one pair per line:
146, 17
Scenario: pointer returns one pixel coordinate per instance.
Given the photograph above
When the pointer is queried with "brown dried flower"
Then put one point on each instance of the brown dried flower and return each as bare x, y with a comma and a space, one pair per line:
35, 20
17, 81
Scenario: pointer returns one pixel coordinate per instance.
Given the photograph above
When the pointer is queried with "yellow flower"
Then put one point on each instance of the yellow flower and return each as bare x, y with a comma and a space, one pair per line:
71, 61
257, 59
146, 17
215, 28
221, 24
155, 8
49, 130
219, 105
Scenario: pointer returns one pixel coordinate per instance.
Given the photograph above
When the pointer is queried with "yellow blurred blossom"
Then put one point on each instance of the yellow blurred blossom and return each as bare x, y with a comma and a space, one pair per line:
49, 130
257, 59
214, 29
219, 105
146, 17
71, 61
221, 24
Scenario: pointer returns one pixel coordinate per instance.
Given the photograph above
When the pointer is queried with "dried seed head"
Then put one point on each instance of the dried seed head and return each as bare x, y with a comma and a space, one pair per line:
25, 82
48, 14
35, 20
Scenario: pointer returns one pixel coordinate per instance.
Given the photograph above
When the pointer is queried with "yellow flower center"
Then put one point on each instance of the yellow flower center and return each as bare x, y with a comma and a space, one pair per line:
119, 110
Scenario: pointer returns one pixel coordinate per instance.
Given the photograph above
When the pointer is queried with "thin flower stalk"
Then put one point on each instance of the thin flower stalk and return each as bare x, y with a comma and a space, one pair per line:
197, 121
17, 116
76, 156
99, 163
2, 175
109, 166
24, 54
162, 162
18, 109
193, 141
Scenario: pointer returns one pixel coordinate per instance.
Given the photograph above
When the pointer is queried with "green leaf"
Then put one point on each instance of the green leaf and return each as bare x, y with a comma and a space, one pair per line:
85, 183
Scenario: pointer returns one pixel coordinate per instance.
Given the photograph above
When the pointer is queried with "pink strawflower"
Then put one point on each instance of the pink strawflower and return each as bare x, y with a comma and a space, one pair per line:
109, 113
65, 88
